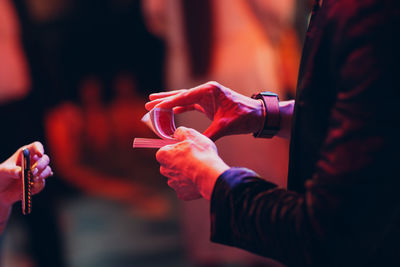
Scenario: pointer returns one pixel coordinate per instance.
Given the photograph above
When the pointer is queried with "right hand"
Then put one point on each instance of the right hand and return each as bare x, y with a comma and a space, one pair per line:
192, 165
230, 112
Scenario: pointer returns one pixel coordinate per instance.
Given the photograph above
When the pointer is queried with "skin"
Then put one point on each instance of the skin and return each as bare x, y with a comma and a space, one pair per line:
192, 166
10, 178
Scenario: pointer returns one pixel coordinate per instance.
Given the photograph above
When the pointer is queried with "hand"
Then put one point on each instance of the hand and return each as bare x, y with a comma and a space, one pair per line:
230, 112
10, 173
192, 166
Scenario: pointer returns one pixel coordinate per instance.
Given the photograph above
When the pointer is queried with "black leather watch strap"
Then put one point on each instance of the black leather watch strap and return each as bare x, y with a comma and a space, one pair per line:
272, 117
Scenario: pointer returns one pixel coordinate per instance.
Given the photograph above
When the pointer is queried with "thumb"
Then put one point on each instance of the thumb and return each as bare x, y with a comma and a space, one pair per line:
183, 133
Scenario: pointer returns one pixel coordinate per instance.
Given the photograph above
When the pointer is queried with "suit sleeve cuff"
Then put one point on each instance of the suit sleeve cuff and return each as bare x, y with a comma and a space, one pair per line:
227, 189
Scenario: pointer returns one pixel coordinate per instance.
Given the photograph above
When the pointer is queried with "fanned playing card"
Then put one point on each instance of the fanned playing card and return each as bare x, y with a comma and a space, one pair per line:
161, 122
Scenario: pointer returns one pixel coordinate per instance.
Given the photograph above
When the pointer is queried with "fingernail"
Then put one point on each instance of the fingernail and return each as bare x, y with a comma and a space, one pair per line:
52, 173
35, 171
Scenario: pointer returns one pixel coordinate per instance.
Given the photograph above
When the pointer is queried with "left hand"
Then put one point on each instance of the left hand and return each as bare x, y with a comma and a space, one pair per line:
10, 173
192, 166
230, 112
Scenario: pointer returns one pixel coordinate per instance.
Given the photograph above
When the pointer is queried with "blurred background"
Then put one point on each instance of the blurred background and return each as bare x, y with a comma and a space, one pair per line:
75, 74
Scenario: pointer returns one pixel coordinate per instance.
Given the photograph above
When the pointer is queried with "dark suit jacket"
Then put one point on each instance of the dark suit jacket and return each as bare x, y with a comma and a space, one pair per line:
342, 205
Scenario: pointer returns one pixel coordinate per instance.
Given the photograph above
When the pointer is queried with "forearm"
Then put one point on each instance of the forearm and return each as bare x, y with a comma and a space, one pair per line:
255, 215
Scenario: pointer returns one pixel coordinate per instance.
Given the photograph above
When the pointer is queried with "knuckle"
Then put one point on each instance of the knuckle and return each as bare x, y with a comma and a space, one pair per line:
46, 158
183, 92
186, 144
38, 145
171, 183
215, 87
45, 173
160, 155
166, 172
214, 83
180, 130
162, 170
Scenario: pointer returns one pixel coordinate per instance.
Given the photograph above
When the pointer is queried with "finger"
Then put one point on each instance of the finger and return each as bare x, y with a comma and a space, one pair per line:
40, 164
35, 158
183, 133
169, 173
150, 105
162, 155
183, 97
38, 185
167, 96
186, 97
173, 183
164, 94
179, 110
35, 148
47, 172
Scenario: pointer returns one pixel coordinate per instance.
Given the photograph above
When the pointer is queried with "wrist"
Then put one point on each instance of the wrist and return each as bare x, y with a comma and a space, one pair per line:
209, 175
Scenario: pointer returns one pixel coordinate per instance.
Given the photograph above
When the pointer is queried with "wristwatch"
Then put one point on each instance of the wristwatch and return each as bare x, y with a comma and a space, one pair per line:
272, 117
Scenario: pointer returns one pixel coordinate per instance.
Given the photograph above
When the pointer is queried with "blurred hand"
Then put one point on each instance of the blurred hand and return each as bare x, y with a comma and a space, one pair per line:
230, 112
192, 166
10, 173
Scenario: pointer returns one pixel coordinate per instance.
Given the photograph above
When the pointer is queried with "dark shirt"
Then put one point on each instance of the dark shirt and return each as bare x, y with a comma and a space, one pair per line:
342, 204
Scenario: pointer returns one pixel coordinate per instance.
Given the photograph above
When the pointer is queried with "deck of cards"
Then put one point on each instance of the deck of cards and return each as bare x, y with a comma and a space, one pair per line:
161, 122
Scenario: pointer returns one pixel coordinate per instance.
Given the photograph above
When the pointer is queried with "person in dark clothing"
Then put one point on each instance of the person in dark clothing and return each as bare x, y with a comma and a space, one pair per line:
341, 207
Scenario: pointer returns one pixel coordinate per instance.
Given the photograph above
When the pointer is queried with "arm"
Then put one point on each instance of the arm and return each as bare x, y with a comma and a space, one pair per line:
350, 205
349, 211
230, 112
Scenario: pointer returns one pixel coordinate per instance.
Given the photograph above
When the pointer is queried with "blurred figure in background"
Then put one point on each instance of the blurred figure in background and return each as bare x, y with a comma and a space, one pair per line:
14, 74
63, 39
125, 208
247, 44
21, 113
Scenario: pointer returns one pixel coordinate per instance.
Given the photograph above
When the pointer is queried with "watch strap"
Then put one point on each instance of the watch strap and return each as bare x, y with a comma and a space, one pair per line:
272, 116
